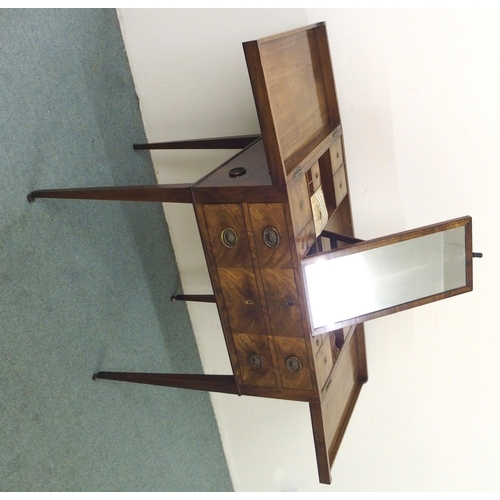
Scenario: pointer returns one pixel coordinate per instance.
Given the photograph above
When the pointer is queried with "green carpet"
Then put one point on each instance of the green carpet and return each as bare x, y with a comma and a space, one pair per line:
86, 285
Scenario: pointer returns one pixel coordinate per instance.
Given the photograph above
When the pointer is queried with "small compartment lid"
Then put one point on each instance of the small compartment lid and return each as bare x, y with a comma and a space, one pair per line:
292, 82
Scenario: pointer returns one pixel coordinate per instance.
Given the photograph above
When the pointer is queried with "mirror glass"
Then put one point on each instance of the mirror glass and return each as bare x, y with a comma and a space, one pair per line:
343, 286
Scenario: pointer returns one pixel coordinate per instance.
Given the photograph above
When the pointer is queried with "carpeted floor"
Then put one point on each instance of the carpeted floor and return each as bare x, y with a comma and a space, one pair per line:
86, 285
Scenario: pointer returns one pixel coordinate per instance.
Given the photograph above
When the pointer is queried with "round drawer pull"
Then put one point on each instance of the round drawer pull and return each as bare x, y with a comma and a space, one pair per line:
256, 361
293, 364
229, 237
271, 237
237, 172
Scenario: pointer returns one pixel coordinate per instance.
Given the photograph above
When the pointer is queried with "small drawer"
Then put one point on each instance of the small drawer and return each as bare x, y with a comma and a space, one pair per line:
305, 239
315, 177
282, 302
255, 360
293, 363
317, 342
336, 154
228, 235
324, 362
270, 233
300, 204
242, 300
340, 185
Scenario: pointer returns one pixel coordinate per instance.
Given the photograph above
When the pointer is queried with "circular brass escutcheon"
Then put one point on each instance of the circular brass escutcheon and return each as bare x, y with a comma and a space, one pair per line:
229, 237
271, 237
255, 360
293, 364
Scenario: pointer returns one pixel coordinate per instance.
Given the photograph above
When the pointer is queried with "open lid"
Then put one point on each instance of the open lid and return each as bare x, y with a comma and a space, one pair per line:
292, 82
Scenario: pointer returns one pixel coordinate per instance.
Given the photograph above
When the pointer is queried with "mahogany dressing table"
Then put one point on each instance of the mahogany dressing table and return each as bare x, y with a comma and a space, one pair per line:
283, 199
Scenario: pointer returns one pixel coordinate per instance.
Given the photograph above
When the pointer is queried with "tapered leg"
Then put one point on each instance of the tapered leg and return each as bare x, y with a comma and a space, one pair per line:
194, 298
235, 142
212, 383
175, 193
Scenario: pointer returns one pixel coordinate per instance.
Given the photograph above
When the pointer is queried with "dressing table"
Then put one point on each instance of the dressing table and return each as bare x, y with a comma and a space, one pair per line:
282, 203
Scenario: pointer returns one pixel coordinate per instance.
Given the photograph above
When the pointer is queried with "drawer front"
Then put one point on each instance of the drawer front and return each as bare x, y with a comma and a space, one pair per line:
336, 154
340, 185
270, 234
315, 177
228, 235
305, 239
293, 363
282, 302
317, 342
324, 362
300, 204
255, 360
242, 301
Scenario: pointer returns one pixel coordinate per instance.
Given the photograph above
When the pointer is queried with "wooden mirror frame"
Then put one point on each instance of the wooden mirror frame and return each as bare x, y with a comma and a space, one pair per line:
364, 246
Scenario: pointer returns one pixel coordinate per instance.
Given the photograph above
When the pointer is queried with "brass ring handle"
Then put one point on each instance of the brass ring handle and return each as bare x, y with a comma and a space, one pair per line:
256, 361
271, 237
229, 237
293, 364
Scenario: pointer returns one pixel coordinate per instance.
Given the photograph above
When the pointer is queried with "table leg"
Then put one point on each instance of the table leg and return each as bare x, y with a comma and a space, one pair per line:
175, 193
212, 383
234, 142
194, 298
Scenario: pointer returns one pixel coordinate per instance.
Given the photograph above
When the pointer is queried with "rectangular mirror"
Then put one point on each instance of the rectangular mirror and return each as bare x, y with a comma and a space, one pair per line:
378, 277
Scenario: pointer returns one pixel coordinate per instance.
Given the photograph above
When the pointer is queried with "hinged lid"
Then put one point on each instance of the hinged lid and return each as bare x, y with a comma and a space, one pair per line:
292, 82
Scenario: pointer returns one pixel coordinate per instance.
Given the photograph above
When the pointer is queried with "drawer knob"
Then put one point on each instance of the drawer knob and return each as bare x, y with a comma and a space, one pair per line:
293, 364
229, 237
256, 361
237, 172
271, 237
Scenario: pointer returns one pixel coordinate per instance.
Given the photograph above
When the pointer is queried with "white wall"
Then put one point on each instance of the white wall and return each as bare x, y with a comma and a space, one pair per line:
418, 93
